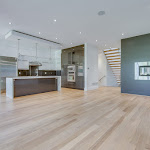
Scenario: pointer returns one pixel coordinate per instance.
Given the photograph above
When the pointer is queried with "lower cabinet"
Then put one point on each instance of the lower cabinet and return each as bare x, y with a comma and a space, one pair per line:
24, 87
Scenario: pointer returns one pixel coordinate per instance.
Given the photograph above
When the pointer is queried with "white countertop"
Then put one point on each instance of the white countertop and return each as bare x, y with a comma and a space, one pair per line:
33, 77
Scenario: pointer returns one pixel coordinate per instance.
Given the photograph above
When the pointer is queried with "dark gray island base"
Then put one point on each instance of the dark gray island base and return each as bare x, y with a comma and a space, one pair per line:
34, 86
21, 86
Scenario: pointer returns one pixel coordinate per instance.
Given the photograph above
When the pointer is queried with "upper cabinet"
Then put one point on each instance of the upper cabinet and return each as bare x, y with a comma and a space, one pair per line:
53, 62
23, 65
27, 48
44, 54
73, 56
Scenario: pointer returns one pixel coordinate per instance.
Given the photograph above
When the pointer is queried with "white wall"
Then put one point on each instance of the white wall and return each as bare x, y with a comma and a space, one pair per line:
102, 69
104, 72
91, 67
51, 60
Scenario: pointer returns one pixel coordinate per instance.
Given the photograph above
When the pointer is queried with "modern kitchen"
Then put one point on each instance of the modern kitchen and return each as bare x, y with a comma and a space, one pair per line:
31, 65
35, 67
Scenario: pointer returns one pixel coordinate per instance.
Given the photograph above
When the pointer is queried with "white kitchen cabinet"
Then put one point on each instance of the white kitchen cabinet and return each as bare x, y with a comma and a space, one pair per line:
23, 65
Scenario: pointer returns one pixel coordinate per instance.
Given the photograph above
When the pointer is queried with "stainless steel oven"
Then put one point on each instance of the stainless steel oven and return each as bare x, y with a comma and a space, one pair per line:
71, 73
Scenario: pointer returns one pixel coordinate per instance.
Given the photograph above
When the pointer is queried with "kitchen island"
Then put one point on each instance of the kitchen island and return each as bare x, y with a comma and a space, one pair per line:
28, 85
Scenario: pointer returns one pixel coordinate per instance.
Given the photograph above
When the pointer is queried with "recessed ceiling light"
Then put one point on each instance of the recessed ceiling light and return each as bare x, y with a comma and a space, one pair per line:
39, 32
80, 32
55, 20
101, 13
10, 23
96, 40
56, 38
122, 33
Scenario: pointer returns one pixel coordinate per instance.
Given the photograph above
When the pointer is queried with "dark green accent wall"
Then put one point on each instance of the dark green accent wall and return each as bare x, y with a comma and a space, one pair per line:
135, 49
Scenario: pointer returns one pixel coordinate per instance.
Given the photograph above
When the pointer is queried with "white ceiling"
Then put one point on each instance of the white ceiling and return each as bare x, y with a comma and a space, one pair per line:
131, 17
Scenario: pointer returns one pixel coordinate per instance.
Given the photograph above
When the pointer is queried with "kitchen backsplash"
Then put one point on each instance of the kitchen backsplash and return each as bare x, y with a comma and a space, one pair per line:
40, 73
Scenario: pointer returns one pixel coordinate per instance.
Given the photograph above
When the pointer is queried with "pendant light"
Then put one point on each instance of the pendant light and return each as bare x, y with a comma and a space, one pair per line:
18, 54
36, 44
50, 53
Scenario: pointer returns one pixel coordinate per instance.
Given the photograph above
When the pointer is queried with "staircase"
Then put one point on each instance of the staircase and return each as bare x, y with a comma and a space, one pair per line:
114, 60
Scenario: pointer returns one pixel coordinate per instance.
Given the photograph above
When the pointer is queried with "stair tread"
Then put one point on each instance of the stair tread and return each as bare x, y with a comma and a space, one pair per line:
114, 63
111, 53
111, 50
115, 56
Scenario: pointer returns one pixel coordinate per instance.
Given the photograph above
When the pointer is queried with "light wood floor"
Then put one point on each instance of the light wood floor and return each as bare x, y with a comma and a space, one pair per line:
102, 119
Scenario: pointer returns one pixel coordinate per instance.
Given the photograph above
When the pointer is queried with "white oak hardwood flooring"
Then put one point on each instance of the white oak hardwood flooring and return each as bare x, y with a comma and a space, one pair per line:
102, 119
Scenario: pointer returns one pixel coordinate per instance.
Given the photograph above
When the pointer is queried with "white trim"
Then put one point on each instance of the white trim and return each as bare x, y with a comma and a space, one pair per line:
93, 87
85, 67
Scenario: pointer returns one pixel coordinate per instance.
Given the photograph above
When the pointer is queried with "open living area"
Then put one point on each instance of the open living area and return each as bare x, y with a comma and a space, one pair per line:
74, 75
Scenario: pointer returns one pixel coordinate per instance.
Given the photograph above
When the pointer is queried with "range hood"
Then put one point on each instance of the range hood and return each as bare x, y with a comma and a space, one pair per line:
35, 63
